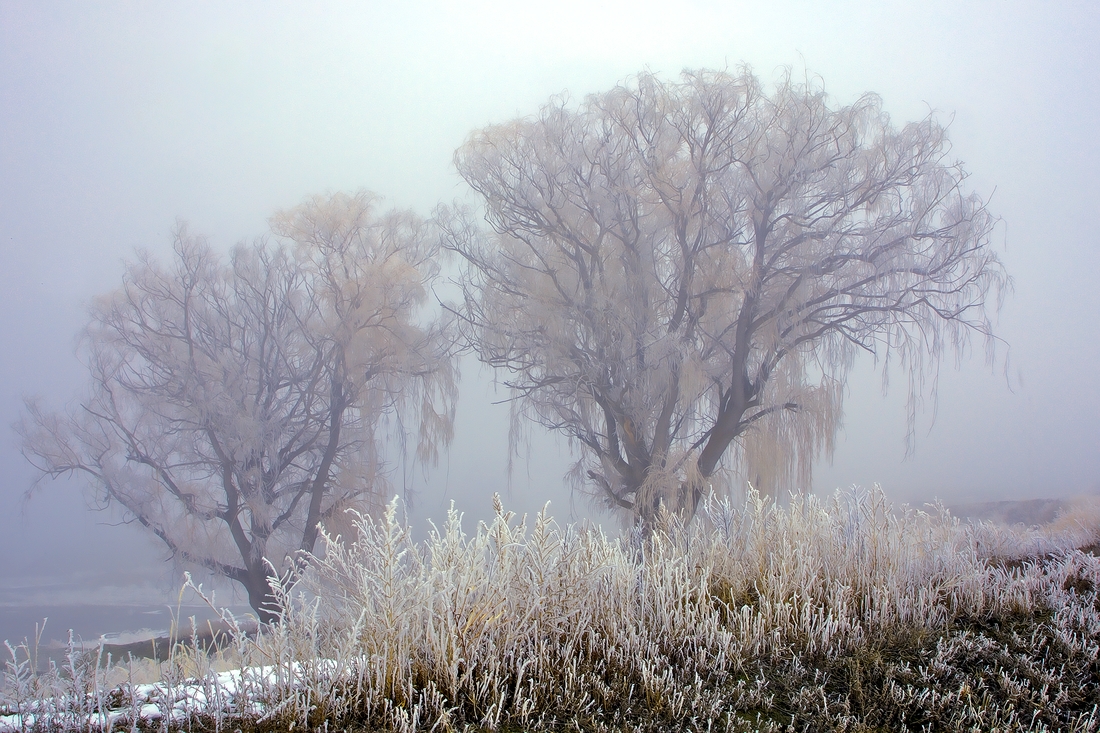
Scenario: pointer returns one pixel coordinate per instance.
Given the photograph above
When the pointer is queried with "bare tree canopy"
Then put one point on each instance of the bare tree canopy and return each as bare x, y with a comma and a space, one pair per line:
680, 275
234, 407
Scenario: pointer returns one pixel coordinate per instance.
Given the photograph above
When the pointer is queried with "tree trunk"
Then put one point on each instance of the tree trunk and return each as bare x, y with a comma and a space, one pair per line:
261, 597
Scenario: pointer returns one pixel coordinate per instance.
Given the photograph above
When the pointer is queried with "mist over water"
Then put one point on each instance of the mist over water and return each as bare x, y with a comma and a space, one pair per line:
115, 121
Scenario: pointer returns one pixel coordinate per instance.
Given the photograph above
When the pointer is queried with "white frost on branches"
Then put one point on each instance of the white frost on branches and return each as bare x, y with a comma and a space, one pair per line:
234, 407
679, 276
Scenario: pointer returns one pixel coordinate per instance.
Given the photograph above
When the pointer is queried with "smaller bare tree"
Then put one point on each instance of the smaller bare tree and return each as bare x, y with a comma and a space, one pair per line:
235, 408
680, 275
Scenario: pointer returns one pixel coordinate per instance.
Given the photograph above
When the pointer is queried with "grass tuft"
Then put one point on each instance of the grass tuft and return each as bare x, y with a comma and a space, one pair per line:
841, 613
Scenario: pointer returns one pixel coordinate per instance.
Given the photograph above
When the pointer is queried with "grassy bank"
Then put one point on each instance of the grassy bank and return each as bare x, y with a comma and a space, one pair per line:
835, 614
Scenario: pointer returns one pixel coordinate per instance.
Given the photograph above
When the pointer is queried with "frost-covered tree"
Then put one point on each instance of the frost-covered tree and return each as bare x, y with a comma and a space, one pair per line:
679, 276
234, 407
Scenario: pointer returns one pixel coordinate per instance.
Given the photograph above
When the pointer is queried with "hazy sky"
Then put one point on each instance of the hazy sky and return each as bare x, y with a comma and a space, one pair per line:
116, 120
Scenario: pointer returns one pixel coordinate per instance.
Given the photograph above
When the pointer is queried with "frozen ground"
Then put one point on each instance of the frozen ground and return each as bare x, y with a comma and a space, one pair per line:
236, 690
834, 613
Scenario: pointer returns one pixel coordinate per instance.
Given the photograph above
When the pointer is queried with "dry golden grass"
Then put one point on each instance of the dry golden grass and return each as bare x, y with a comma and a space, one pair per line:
825, 614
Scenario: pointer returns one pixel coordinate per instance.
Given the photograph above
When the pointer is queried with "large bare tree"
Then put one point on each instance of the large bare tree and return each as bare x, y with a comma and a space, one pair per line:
680, 275
234, 407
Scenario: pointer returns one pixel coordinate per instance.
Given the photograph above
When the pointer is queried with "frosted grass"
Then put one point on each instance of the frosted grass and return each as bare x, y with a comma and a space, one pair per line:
842, 610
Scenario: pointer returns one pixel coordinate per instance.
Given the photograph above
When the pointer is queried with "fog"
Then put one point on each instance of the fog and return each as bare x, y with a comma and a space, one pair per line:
119, 119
